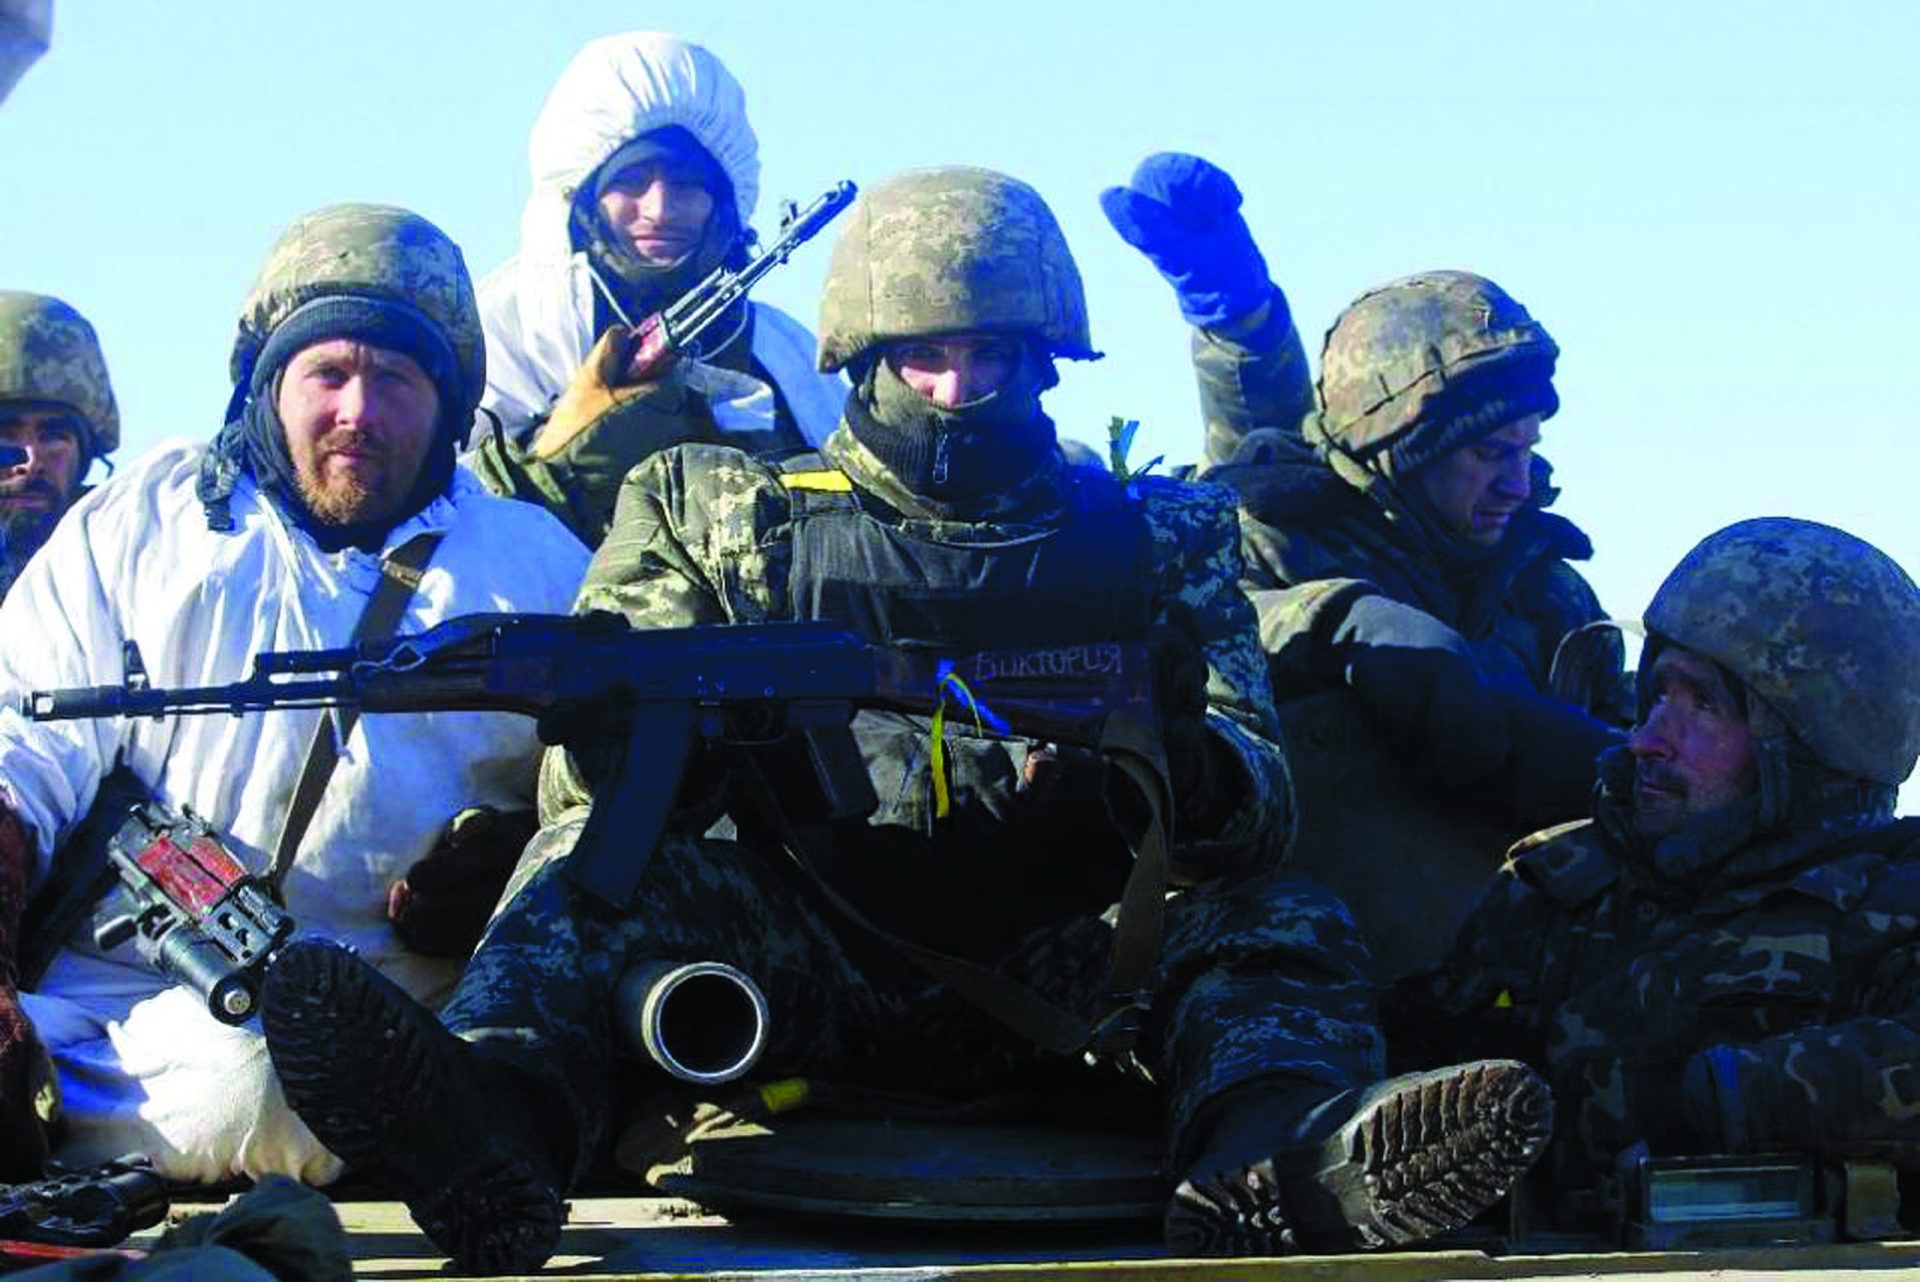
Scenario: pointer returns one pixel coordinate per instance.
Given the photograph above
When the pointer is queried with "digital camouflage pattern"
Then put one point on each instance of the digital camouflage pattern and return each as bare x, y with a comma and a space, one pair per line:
945, 250
1258, 977
1823, 626
703, 535
1391, 358
48, 352
1803, 966
378, 251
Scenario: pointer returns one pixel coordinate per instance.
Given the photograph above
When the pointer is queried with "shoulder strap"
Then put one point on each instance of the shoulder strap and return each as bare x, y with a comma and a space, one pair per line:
400, 574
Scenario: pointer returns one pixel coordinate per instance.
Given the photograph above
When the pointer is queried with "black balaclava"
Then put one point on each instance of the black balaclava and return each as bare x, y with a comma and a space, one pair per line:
987, 446
640, 287
254, 439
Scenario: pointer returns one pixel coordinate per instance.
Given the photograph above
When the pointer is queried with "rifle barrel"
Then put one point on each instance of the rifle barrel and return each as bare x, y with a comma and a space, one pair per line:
81, 702
706, 302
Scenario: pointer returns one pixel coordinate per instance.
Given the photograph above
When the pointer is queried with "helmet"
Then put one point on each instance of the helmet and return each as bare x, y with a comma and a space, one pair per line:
1428, 363
48, 352
936, 251
1822, 626
379, 254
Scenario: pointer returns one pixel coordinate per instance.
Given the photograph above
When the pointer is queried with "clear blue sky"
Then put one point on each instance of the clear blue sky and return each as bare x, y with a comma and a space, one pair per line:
1714, 207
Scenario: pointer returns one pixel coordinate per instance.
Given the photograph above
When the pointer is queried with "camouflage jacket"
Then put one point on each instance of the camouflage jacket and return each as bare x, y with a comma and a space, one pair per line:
1797, 955
1251, 379
1307, 533
703, 535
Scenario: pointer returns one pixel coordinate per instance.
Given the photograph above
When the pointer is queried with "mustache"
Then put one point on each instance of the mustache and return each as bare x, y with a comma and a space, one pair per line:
665, 231
349, 439
31, 485
1660, 776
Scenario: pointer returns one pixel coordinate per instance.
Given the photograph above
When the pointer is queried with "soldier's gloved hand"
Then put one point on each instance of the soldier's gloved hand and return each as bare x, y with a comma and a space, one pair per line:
1552, 760
601, 386
594, 435
441, 907
1183, 213
1418, 678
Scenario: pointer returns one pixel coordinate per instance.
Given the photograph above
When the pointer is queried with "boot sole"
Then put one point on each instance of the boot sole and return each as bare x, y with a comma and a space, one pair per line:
1425, 1157
359, 1062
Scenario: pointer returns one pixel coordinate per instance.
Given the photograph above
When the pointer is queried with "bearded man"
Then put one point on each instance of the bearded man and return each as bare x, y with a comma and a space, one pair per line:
356, 369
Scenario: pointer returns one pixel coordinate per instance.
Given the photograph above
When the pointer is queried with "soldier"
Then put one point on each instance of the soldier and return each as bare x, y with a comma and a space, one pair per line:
57, 405
1723, 958
940, 513
645, 175
356, 368
1396, 547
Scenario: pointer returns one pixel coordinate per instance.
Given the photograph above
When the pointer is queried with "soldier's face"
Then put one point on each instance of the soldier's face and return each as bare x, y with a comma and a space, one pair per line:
1477, 488
34, 493
359, 422
954, 369
1693, 750
660, 206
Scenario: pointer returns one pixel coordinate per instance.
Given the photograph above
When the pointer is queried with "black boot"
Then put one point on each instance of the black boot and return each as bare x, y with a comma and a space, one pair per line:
413, 1108
1410, 1157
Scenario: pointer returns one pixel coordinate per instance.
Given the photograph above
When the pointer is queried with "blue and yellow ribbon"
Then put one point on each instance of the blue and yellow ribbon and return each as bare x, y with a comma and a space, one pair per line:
946, 682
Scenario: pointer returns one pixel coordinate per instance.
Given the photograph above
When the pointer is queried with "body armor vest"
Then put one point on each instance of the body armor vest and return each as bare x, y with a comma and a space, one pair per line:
999, 862
965, 586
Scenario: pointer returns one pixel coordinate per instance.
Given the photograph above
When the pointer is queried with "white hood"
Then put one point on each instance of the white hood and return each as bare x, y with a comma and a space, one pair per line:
614, 90
537, 308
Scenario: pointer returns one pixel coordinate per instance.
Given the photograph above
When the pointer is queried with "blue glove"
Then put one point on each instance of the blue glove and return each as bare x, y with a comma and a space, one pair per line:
1183, 213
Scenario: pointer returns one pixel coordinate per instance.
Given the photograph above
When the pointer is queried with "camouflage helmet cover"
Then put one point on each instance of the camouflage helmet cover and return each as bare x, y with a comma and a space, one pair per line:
1391, 356
935, 251
376, 251
1821, 625
48, 352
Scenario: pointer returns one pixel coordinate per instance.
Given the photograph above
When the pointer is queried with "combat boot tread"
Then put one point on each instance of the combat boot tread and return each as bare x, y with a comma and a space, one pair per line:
1418, 1156
377, 1078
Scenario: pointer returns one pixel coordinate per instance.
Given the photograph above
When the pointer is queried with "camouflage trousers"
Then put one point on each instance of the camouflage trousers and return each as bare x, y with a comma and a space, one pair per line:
1259, 977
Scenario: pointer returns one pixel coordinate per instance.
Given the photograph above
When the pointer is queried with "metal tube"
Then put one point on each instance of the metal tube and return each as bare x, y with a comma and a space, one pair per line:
703, 1022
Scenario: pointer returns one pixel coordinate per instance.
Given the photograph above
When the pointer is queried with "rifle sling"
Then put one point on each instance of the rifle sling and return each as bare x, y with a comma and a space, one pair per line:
1132, 748
1136, 939
400, 573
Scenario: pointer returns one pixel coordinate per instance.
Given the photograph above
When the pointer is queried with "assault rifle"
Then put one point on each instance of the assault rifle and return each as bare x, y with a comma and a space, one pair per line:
95, 1207
676, 329
669, 689
193, 911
